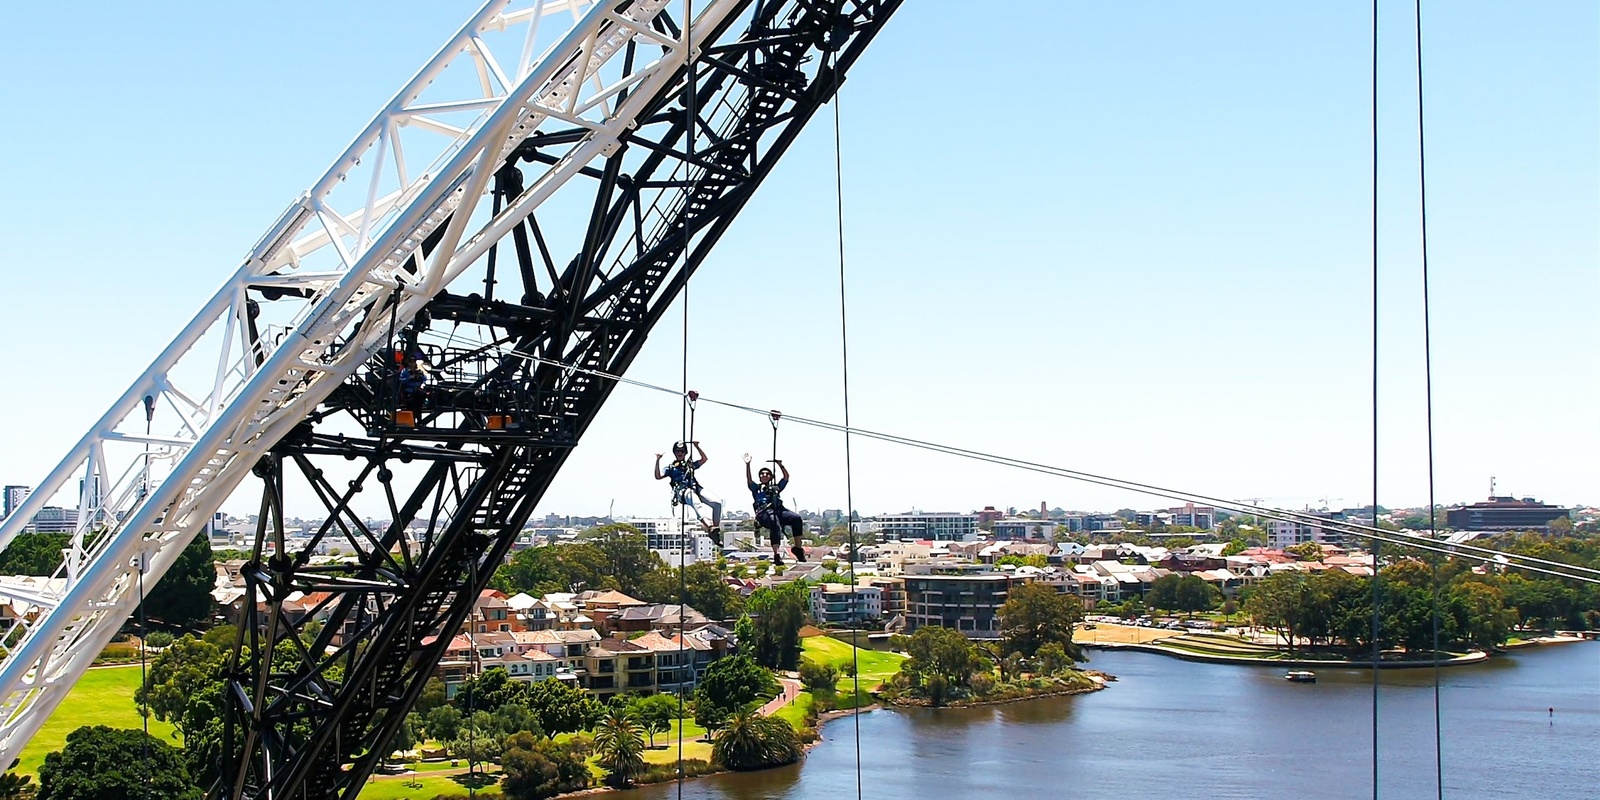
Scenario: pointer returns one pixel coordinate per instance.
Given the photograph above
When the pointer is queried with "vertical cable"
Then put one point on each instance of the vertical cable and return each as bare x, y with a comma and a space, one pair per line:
686, 421
1377, 547
1427, 373
844, 369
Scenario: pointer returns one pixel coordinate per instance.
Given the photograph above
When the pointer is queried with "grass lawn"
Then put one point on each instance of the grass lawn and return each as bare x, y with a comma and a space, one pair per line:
103, 696
875, 666
795, 713
666, 749
426, 787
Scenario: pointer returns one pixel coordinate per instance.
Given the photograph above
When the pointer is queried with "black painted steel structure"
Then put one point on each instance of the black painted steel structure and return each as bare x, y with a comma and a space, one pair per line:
310, 706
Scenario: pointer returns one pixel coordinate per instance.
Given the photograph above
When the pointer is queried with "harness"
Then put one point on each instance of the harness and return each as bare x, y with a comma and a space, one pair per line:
768, 497
682, 474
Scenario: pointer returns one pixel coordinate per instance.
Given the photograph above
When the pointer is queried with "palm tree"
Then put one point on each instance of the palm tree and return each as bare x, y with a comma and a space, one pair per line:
620, 743
750, 741
14, 786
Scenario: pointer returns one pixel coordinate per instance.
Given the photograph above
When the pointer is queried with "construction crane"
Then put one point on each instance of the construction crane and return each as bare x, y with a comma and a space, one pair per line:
601, 149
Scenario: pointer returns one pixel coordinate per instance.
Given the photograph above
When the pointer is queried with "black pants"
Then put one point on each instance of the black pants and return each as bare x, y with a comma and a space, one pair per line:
776, 519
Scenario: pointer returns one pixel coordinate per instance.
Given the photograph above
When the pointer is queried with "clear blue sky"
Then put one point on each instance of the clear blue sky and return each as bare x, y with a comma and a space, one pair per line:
1131, 238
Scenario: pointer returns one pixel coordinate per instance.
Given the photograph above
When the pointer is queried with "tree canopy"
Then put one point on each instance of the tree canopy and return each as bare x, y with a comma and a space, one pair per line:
101, 763
1034, 615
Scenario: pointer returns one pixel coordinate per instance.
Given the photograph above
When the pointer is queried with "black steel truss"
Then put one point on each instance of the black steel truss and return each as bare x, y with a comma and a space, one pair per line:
331, 656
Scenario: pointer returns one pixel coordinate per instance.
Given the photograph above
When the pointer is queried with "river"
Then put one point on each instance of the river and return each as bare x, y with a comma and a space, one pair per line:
1179, 729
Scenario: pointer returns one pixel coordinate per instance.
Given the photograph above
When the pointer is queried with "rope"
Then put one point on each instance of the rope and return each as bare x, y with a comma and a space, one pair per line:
1377, 546
1482, 554
844, 369
1427, 372
686, 419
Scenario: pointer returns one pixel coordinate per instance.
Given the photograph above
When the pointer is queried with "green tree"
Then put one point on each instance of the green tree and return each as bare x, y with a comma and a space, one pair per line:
555, 568
1163, 592
443, 723
182, 598
176, 676
730, 684
1282, 602
1052, 659
15, 787
491, 690
433, 695
1194, 594
620, 744
703, 589
562, 708
33, 554
1305, 551
1035, 614
1235, 547
751, 741
475, 746
101, 763
537, 768
942, 663
654, 713
777, 614
628, 558
820, 679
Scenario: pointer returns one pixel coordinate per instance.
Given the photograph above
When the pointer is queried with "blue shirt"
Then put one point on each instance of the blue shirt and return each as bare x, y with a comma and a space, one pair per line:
767, 495
681, 473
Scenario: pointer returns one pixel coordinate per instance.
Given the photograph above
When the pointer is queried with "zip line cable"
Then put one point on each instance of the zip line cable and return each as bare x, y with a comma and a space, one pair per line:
1427, 373
1461, 549
1377, 545
844, 369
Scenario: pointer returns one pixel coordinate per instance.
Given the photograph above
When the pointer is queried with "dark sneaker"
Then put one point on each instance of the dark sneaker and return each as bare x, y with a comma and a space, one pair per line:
777, 561
799, 553
716, 536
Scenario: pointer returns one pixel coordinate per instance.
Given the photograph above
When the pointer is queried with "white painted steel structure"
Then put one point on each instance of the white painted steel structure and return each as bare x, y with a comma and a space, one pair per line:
241, 374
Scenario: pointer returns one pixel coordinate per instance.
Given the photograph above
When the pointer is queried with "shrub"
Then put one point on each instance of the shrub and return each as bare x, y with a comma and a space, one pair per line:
158, 639
662, 773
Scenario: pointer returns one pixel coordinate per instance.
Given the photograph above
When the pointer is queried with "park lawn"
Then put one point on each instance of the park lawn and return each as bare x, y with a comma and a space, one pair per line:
666, 749
795, 713
427, 787
103, 696
875, 666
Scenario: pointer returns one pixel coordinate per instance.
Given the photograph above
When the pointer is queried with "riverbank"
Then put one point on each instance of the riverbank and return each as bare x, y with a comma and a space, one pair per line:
1093, 681
1476, 657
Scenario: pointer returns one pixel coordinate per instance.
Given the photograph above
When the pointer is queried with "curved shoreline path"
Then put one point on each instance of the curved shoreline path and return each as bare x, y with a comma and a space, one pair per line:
791, 690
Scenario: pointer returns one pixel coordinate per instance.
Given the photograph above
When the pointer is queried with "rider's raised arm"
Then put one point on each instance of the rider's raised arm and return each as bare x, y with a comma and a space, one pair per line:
702, 452
659, 476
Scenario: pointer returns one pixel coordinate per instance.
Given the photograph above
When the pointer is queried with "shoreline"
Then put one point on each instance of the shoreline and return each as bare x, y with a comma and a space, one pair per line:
1475, 657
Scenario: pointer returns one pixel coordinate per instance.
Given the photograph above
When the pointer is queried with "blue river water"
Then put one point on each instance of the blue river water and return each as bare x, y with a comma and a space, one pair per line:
1176, 729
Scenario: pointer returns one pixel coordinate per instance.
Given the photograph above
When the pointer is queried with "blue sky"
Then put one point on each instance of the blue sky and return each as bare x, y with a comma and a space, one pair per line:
1130, 238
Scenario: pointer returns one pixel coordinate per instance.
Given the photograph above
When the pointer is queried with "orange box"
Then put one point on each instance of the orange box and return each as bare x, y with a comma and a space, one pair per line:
496, 422
405, 418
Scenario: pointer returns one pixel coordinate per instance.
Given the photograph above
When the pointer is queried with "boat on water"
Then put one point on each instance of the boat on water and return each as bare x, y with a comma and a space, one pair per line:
1301, 676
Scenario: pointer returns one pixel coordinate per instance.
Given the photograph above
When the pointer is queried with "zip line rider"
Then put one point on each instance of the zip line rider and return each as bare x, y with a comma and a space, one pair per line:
770, 513
686, 488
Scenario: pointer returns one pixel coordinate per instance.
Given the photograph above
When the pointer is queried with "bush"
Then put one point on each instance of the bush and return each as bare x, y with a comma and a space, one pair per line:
819, 679
662, 773
751, 741
158, 639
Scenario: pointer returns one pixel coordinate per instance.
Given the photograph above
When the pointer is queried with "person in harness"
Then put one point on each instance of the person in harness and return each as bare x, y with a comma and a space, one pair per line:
770, 513
686, 488
413, 379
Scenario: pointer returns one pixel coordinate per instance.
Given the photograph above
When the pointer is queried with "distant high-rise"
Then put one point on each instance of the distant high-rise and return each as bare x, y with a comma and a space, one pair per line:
1505, 514
14, 497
